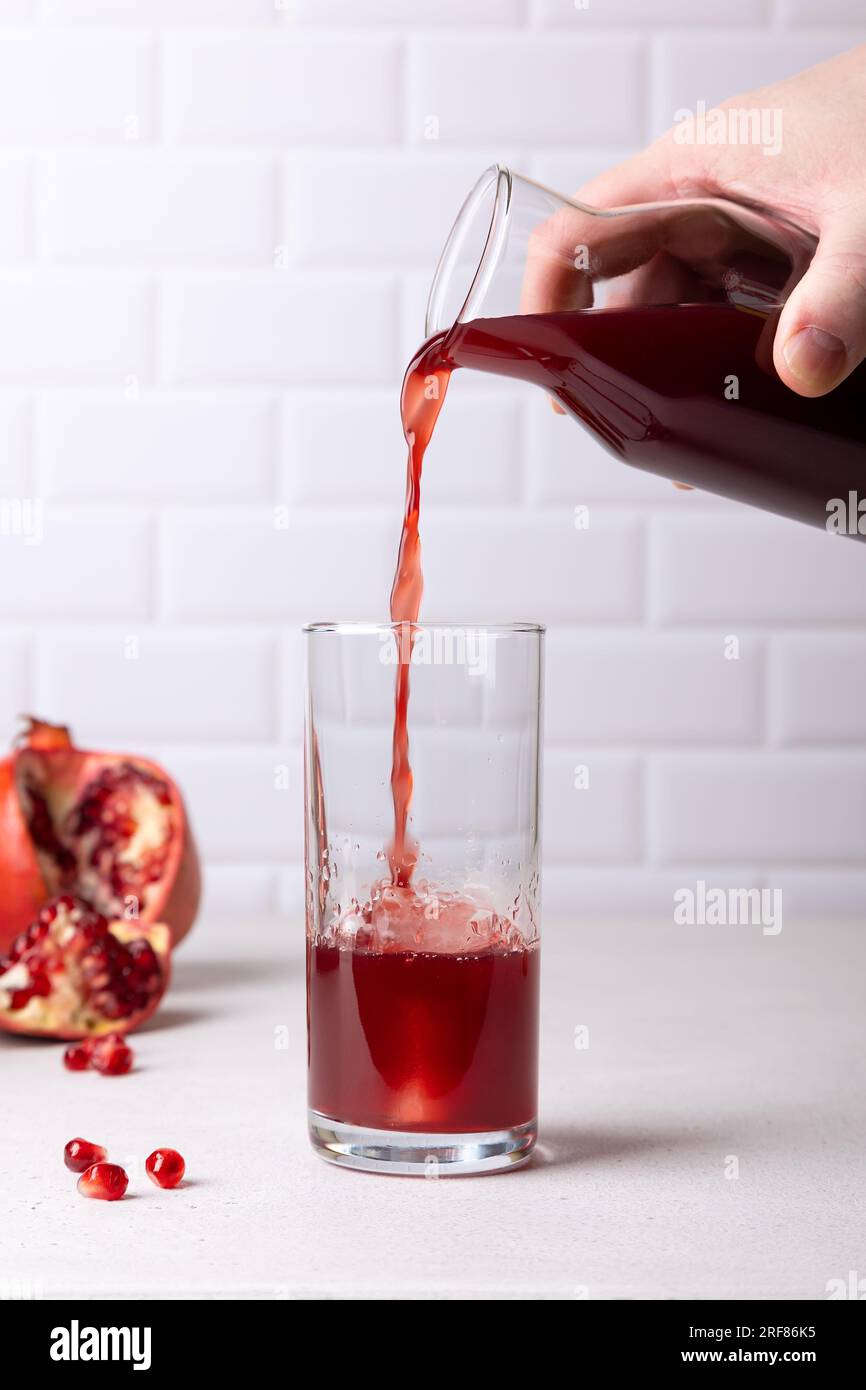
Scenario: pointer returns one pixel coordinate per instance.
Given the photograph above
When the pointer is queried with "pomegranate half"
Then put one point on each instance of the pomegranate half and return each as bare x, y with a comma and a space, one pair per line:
108, 828
72, 974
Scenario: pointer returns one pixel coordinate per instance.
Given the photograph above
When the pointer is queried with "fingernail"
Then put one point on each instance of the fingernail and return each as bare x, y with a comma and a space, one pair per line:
816, 357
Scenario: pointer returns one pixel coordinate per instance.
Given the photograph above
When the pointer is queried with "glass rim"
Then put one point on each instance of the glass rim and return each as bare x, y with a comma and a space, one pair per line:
498, 179
362, 629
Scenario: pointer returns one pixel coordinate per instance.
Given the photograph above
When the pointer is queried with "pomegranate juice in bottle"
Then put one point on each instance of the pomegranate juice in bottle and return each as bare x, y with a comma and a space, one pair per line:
650, 382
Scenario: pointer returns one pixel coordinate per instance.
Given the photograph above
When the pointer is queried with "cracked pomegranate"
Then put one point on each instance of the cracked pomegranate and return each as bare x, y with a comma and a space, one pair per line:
72, 974
105, 1181
80, 1154
108, 828
165, 1167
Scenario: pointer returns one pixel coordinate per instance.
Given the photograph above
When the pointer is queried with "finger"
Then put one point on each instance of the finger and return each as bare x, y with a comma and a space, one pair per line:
821, 335
662, 280
643, 178
568, 252
686, 244
552, 279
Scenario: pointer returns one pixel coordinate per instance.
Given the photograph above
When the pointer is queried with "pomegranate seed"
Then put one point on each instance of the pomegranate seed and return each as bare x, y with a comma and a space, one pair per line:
90, 930
77, 1057
80, 1154
110, 1006
21, 944
105, 1181
144, 956
112, 1056
165, 1167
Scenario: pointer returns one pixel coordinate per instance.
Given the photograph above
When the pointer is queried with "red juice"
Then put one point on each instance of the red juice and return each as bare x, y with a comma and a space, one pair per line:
424, 387
656, 384
424, 1040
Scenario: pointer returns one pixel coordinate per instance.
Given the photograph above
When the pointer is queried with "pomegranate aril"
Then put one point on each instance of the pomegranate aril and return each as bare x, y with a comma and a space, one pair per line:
165, 1167
105, 1181
17, 949
111, 1056
95, 971
91, 931
144, 955
44, 835
109, 1006
80, 1154
27, 940
77, 1057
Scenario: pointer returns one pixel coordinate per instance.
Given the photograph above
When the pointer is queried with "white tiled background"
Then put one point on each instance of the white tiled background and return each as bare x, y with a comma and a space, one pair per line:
217, 223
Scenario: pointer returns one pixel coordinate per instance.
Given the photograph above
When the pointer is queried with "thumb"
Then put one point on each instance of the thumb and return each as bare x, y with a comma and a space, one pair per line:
821, 335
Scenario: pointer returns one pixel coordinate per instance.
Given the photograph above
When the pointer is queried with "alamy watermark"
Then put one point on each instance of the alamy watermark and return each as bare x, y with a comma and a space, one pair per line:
846, 516
714, 907
22, 517
407, 644
853, 1288
77, 1343
730, 125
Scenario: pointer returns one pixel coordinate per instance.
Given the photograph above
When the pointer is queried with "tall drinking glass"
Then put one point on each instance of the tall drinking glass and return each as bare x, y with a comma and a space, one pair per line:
422, 988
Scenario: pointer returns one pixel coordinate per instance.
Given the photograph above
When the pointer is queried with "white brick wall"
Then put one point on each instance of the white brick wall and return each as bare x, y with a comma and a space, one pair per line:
238, 89
70, 89
146, 206
277, 327
218, 219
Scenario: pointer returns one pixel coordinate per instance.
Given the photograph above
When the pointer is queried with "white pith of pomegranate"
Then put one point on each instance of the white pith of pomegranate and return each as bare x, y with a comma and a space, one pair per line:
73, 974
109, 844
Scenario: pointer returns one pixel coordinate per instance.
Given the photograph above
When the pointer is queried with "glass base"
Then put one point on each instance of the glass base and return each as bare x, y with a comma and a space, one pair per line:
409, 1154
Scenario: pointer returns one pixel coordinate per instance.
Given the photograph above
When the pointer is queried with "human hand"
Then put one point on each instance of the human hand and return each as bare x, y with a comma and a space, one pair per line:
818, 179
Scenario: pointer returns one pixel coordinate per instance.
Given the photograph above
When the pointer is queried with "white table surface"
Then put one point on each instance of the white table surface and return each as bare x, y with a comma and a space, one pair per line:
705, 1043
